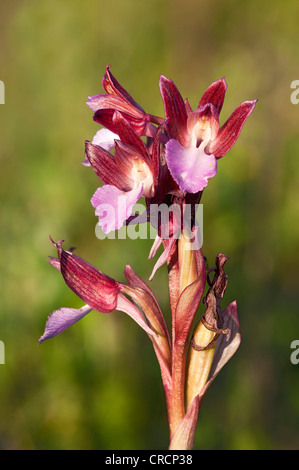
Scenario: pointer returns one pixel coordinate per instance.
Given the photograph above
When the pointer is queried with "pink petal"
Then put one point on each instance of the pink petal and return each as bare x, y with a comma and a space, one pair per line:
191, 167
105, 138
61, 319
113, 206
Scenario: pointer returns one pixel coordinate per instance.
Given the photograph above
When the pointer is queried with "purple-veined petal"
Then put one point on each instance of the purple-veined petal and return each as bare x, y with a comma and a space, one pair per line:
96, 289
106, 167
61, 319
128, 136
104, 139
105, 118
156, 153
191, 167
103, 101
214, 94
113, 206
113, 87
231, 129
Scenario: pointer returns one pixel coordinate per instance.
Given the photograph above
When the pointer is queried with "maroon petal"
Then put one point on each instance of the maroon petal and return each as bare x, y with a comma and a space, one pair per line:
189, 110
214, 95
103, 101
105, 118
156, 151
111, 86
128, 136
175, 110
230, 131
106, 168
93, 287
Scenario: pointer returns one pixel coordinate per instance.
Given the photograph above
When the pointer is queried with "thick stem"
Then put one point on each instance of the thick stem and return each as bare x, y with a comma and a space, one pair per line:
177, 410
184, 272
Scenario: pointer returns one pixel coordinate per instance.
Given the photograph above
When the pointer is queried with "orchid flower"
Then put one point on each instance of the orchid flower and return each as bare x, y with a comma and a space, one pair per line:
127, 176
167, 160
196, 141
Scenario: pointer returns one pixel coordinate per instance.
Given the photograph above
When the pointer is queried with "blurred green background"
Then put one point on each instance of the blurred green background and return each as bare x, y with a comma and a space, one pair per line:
97, 385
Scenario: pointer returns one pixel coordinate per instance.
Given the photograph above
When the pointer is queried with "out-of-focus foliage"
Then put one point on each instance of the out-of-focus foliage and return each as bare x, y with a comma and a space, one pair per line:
97, 385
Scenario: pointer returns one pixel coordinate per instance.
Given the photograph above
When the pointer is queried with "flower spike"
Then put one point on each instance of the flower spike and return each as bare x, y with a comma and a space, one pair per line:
168, 161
